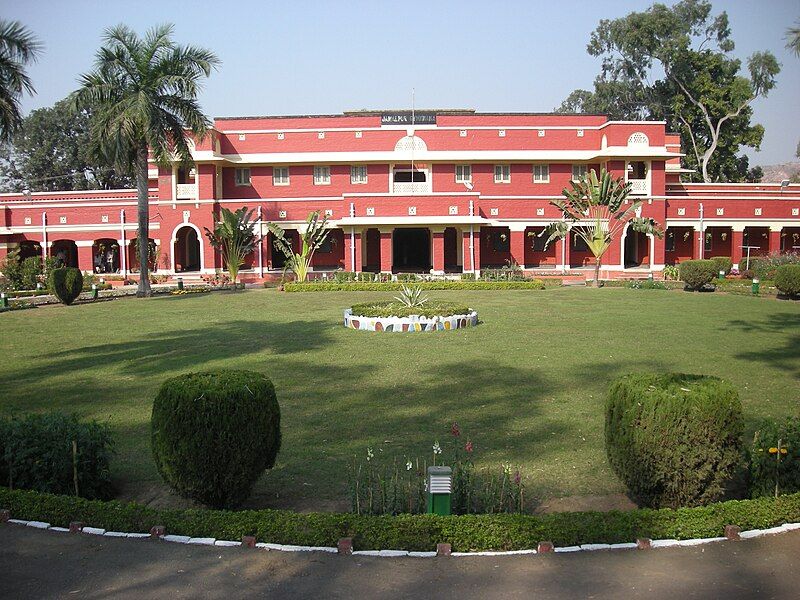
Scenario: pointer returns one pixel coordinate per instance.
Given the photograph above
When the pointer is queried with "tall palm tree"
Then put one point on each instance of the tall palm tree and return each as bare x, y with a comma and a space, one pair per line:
18, 47
143, 94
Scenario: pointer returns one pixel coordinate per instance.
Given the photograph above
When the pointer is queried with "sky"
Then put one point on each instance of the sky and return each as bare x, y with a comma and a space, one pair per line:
315, 57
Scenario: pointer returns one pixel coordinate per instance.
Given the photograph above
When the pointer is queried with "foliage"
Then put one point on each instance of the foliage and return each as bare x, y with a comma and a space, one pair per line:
50, 152
593, 211
674, 439
214, 433
697, 273
234, 238
411, 296
316, 286
671, 273
315, 234
66, 283
787, 279
722, 263
646, 284
18, 48
766, 267
143, 97
396, 309
25, 274
410, 532
775, 458
153, 254
36, 453
509, 272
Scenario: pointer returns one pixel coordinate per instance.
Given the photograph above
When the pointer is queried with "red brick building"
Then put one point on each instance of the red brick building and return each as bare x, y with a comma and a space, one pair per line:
445, 192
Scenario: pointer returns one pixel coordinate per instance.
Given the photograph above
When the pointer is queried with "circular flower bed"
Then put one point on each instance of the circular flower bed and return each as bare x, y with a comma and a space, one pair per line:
395, 316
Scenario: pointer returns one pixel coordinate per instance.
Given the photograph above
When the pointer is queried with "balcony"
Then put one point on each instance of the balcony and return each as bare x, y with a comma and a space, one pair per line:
186, 191
639, 187
412, 187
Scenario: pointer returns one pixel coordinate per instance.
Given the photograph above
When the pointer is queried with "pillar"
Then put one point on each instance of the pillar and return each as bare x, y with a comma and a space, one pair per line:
438, 251
775, 239
737, 241
467, 265
659, 255
85, 256
386, 251
359, 253
566, 248
517, 247
476, 248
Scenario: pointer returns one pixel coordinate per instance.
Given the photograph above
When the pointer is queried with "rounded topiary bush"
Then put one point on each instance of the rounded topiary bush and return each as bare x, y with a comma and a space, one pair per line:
66, 283
697, 273
673, 439
214, 433
723, 263
787, 280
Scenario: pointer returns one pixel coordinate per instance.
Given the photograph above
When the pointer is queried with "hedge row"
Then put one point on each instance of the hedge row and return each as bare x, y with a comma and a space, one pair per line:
396, 309
407, 532
330, 286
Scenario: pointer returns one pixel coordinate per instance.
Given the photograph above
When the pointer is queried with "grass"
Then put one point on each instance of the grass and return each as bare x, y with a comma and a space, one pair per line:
527, 385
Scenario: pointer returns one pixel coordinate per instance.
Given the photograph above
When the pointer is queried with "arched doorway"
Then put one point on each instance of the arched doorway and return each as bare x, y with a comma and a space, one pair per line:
65, 252
411, 250
187, 250
278, 260
105, 256
637, 249
28, 249
133, 255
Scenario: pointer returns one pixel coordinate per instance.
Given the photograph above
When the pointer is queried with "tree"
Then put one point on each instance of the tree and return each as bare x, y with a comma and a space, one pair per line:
793, 39
143, 94
702, 93
313, 237
50, 152
594, 211
755, 175
18, 48
234, 238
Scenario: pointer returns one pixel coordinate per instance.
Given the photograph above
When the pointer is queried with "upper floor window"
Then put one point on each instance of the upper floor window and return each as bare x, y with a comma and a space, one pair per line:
579, 172
242, 176
502, 174
280, 176
358, 174
322, 175
463, 173
637, 170
541, 173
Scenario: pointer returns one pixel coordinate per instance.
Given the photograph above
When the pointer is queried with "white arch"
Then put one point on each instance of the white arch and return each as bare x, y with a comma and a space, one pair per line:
174, 238
638, 139
651, 242
410, 143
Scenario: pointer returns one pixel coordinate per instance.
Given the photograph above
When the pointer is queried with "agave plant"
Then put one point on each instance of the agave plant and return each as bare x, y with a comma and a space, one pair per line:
411, 296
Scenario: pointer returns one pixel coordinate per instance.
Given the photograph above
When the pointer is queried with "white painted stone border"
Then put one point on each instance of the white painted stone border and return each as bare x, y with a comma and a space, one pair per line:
396, 324
185, 539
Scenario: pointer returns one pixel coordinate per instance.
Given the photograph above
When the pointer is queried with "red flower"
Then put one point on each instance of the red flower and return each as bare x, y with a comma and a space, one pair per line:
468, 446
454, 430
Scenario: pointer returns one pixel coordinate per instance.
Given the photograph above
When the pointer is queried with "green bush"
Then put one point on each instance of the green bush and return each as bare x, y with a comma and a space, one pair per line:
410, 532
330, 286
396, 309
723, 263
215, 433
766, 267
787, 279
697, 273
66, 283
36, 453
765, 469
674, 439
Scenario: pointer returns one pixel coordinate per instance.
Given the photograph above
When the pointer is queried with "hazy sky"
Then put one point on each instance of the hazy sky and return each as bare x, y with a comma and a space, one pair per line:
301, 57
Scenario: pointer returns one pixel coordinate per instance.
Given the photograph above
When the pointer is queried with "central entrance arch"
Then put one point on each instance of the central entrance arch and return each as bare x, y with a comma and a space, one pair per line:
187, 250
411, 250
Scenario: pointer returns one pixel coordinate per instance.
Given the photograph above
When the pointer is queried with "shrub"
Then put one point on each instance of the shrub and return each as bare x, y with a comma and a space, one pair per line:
723, 263
396, 309
36, 453
214, 434
671, 273
768, 473
766, 267
674, 439
66, 283
697, 273
787, 279
646, 284
330, 286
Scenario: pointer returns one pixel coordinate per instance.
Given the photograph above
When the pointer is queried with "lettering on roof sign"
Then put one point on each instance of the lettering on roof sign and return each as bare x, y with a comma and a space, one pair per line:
406, 118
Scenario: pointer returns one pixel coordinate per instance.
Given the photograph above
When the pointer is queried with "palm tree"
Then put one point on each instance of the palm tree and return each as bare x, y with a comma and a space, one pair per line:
593, 210
234, 238
793, 39
18, 47
143, 95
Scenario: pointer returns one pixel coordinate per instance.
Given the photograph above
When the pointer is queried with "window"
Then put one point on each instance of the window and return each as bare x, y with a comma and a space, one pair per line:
242, 176
541, 173
538, 238
322, 175
709, 241
502, 174
410, 177
500, 241
280, 176
669, 245
463, 173
358, 174
578, 172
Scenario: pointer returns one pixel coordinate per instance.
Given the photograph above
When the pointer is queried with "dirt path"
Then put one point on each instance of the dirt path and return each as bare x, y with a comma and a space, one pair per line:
42, 564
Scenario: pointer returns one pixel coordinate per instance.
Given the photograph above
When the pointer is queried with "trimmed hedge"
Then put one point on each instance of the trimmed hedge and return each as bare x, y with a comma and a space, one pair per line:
395, 309
697, 273
530, 284
215, 433
723, 263
66, 283
674, 439
787, 280
410, 532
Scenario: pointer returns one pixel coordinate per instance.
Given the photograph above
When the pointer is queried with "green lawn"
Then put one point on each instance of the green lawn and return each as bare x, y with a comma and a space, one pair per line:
527, 385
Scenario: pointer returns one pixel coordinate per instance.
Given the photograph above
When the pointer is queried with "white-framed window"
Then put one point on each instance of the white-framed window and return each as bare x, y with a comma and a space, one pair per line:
358, 174
242, 176
502, 173
579, 172
280, 176
463, 173
322, 175
541, 173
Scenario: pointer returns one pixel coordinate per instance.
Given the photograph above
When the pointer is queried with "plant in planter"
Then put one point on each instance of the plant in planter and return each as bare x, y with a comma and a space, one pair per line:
411, 296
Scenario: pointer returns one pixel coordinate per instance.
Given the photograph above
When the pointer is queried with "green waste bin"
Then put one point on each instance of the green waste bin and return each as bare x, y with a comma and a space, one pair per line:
440, 483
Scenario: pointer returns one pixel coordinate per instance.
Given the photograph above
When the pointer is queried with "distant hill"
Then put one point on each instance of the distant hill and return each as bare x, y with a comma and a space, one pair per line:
777, 173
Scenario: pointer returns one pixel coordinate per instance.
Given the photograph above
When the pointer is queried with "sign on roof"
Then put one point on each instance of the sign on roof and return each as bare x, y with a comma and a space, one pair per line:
406, 118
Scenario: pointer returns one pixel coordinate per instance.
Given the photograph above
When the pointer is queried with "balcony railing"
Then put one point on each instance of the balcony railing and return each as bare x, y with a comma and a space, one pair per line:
639, 187
186, 191
408, 188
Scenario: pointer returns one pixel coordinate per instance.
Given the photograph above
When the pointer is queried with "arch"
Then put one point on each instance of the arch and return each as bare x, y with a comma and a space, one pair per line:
638, 139
29, 248
637, 249
410, 143
133, 250
105, 256
604, 142
65, 252
187, 249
